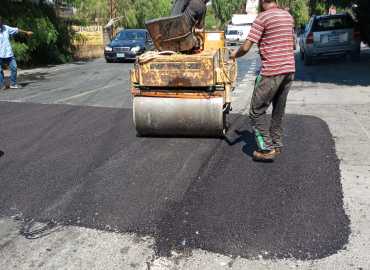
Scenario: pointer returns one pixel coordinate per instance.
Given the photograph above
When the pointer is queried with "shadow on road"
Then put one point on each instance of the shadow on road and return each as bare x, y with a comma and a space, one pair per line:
84, 166
339, 71
246, 137
26, 79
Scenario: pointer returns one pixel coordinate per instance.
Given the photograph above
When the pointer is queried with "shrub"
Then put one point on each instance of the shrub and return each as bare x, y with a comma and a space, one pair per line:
51, 42
320, 8
21, 51
211, 22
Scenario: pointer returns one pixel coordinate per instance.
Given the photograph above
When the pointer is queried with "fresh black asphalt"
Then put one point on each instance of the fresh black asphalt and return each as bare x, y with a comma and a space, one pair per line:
85, 166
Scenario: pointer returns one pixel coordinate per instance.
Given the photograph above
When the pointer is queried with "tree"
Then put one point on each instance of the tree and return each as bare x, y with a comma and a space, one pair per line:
224, 9
146, 10
212, 22
300, 12
91, 10
51, 42
298, 8
134, 12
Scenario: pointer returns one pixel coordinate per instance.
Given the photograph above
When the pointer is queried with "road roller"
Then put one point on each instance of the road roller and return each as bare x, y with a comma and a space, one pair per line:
183, 94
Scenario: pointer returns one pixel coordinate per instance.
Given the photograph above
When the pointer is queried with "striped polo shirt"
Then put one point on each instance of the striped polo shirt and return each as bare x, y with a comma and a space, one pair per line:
273, 32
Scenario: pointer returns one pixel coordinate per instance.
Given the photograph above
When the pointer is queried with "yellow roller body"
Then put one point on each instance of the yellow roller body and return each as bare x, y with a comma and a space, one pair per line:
183, 95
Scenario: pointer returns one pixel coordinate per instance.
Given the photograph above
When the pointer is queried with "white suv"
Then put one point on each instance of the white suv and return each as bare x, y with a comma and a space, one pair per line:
330, 35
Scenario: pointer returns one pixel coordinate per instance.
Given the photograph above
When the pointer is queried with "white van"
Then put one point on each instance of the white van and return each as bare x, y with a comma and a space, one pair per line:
238, 30
234, 35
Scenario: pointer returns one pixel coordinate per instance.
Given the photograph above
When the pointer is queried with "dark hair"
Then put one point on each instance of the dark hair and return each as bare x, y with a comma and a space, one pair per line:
1, 24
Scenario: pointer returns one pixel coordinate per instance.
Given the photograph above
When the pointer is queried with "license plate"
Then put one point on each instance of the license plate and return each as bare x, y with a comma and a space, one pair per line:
120, 55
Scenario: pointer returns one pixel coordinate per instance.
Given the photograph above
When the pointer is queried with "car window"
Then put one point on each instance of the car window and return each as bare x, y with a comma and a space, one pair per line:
131, 35
308, 26
232, 32
332, 23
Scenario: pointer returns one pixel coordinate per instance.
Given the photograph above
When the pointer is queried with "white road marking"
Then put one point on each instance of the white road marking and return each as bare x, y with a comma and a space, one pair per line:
25, 99
85, 93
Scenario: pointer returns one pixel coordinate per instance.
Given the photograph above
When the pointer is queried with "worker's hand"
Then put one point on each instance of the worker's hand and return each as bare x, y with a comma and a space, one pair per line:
234, 54
29, 33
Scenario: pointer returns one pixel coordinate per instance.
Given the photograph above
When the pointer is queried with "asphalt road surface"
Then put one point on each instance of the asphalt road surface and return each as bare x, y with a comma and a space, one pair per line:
71, 157
85, 166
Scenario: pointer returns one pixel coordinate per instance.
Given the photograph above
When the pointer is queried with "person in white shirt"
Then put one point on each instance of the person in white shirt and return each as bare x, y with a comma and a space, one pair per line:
6, 53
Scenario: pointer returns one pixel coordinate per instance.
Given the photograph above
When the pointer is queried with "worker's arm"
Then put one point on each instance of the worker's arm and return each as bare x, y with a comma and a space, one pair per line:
28, 33
243, 50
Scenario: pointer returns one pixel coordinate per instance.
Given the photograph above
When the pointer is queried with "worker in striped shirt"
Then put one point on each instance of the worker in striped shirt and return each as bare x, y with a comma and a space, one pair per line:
273, 32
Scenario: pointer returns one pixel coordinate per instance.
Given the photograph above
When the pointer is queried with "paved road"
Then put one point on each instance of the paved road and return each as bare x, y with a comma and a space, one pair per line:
92, 83
72, 160
85, 166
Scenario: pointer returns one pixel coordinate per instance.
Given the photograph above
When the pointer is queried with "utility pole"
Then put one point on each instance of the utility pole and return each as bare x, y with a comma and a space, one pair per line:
113, 6
113, 14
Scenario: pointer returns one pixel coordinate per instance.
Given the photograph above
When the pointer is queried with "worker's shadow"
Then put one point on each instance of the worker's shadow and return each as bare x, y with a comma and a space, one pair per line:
1, 153
243, 136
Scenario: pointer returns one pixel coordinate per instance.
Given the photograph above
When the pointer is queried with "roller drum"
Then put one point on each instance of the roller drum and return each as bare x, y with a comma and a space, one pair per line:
158, 116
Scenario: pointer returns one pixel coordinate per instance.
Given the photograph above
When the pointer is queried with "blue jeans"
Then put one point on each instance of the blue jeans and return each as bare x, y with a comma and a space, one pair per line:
13, 70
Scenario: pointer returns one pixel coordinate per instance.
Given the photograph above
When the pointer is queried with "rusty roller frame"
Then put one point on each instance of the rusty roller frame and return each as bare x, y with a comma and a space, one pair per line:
183, 95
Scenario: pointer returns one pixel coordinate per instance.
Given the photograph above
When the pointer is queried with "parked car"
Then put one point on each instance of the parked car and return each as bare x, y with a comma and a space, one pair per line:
330, 35
127, 45
233, 37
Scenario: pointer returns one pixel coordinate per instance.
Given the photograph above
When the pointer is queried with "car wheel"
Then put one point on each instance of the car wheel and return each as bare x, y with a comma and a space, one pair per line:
307, 60
108, 61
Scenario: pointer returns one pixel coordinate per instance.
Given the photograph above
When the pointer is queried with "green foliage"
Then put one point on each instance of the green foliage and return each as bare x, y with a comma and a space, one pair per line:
212, 22
21, 50
300, 12
224, 9
45, 33
320, 8
298, 8
51, 42
146, 10
90, 10
134, 12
